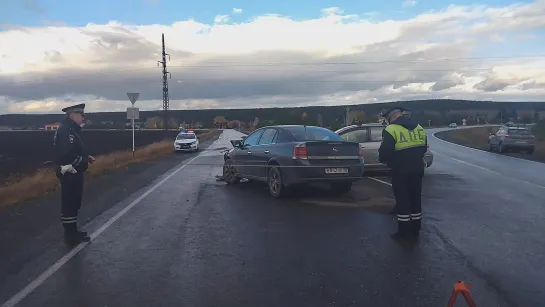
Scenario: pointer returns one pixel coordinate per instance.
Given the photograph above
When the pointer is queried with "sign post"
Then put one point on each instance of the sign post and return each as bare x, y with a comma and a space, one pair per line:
132, 114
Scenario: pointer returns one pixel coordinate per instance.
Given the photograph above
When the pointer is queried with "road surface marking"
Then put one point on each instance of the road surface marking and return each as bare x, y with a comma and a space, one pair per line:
381, 181
491, 171
482, 151
14, 300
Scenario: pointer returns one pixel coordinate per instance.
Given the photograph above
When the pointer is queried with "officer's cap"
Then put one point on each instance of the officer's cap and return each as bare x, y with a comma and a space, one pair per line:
79, 108
394, 110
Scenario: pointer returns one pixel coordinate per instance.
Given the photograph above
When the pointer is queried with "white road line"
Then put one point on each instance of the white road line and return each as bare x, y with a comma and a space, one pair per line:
381, 181
491, 171
482, 151
55, 267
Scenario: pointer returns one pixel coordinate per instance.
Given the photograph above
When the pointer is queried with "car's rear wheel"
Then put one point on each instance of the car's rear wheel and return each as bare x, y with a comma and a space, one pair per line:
229, 172
341, 187
275, 182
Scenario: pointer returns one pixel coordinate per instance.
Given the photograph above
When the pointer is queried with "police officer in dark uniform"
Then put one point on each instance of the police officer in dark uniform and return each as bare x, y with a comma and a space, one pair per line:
404, 144
72, 160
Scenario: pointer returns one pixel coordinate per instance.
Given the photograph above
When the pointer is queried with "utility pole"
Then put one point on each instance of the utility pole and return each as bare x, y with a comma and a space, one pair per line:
165, 84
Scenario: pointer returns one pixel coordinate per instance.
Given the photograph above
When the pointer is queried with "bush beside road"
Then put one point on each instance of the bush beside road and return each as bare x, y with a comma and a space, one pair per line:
44, 180
477, 137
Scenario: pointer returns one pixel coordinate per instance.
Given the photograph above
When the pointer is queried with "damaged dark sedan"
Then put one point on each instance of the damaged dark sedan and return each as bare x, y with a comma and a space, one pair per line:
290, 155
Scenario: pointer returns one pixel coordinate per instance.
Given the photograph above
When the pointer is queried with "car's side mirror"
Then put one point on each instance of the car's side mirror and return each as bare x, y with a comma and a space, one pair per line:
243, 137
236, 143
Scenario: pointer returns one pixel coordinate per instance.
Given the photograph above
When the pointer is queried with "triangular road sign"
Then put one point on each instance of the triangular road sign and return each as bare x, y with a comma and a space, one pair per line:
133, 97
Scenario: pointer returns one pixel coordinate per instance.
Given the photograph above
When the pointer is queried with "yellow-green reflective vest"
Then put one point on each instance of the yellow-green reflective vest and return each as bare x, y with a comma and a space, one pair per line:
406, 138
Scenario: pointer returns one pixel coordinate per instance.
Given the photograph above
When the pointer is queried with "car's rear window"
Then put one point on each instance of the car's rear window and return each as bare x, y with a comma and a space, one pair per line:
519, 132
313, 134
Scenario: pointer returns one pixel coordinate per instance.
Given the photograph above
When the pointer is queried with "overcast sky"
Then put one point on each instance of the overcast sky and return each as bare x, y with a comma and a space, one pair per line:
271, 57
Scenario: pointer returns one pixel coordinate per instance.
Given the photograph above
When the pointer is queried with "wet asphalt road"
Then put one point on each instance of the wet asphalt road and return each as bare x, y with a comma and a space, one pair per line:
193, 241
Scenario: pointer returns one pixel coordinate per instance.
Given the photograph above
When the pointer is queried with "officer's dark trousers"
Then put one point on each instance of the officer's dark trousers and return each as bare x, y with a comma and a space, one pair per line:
407, 188
71, 196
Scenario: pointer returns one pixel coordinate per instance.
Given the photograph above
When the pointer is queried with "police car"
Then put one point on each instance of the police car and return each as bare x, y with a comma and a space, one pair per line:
186, 141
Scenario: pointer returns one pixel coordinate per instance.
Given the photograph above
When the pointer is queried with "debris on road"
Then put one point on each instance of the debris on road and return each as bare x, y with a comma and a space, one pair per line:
220, 178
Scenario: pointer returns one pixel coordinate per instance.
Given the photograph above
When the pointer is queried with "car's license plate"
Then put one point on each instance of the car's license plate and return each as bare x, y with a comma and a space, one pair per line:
336, 170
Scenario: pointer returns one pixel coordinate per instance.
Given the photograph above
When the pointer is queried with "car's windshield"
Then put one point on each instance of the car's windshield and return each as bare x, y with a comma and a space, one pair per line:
313, 134
185, 137
519, 131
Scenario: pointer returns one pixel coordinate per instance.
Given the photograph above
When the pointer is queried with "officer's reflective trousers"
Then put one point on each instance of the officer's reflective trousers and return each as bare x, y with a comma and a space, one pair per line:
407, 187
71, 197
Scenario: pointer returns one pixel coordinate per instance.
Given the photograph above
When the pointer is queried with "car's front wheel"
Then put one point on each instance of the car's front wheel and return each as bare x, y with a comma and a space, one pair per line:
341, 187
229, 172
275, 182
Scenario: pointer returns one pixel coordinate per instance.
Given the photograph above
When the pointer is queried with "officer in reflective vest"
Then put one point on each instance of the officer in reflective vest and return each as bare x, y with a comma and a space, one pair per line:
72, 160
404, 144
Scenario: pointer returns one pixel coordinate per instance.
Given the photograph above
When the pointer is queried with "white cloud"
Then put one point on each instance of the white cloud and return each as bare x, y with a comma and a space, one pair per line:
273, 60
221, 18
237, 11
409, 3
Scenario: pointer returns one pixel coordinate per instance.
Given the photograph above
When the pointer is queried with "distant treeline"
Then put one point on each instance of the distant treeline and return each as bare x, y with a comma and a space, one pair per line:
435, 112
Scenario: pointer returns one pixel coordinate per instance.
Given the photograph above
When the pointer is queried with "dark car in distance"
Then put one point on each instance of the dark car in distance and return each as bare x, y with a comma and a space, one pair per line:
284, 156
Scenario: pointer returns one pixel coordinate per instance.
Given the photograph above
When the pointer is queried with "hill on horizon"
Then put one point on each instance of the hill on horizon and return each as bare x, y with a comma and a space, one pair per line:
437, 110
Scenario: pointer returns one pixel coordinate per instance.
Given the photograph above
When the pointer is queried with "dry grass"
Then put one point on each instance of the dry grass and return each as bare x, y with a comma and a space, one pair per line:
478, 138
44, 180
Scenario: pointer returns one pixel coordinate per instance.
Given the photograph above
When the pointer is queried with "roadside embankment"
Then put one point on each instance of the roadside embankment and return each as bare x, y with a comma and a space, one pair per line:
477, 138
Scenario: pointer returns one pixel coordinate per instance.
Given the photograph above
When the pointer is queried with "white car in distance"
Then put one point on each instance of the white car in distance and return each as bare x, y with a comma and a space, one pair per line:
186, 141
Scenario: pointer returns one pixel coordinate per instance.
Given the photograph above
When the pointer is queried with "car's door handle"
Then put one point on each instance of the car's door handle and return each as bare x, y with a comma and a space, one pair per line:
267, 151
249, 152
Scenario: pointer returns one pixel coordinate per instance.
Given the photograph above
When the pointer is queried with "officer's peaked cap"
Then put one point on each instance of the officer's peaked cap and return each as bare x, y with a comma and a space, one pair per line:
394, 110
76, 108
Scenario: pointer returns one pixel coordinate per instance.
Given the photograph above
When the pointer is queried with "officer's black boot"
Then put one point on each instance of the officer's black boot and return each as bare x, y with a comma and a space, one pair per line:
83, 236
404, 231
71, 237
416, 226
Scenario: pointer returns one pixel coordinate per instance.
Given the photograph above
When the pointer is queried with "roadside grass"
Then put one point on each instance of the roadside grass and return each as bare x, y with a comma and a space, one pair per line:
44, 181
478, 138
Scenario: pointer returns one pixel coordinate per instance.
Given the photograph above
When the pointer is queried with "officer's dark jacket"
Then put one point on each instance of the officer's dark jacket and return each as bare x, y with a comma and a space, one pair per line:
69, 148
407, 160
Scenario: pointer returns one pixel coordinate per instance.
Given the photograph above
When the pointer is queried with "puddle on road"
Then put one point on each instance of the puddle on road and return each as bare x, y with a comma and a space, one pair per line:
377, 204
363, 197
360, 196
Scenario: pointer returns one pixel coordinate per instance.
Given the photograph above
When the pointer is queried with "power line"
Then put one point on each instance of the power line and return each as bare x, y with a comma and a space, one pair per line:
284, 79
363, 81
468, 59
114, 73
280, 64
